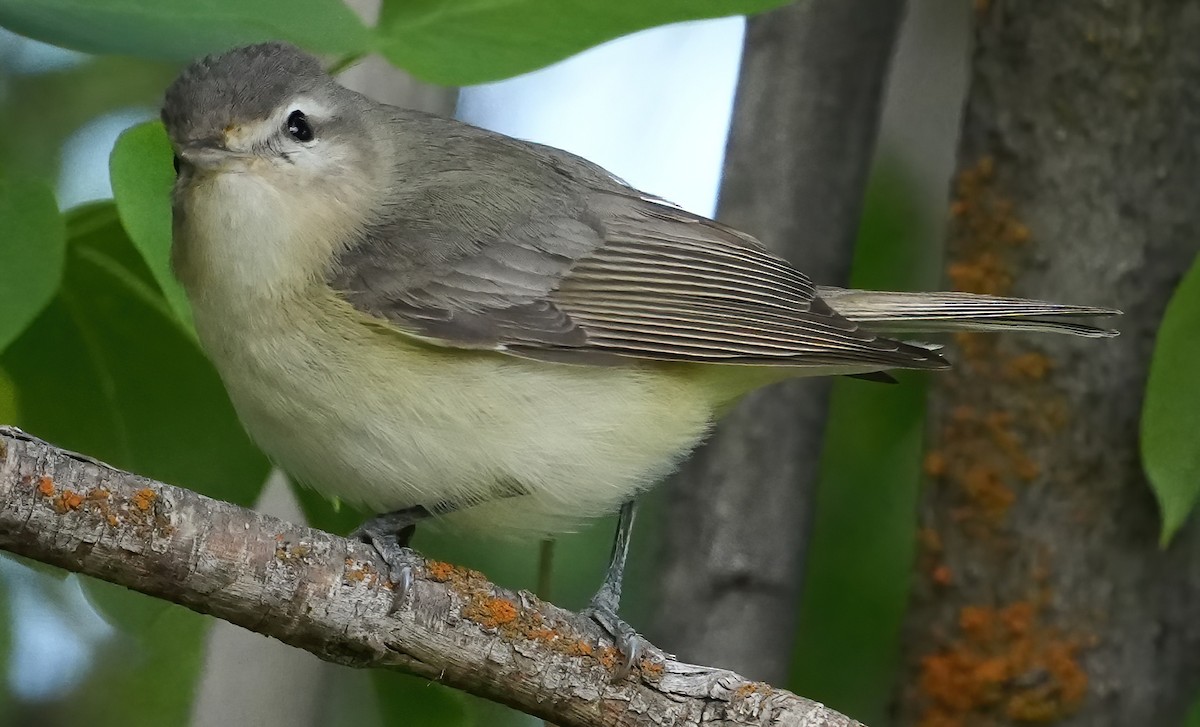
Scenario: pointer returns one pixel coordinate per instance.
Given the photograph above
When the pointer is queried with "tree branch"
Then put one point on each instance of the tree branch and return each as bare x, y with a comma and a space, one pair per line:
326, 594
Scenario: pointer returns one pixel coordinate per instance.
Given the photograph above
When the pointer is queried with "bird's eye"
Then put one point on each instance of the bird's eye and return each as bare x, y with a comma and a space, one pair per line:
175, 161
297, 126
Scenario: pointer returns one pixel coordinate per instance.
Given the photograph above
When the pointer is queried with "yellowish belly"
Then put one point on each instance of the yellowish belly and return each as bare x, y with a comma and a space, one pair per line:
362, 414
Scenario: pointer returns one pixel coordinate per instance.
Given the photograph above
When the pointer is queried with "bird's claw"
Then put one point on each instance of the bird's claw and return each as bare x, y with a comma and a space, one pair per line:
399, 563
401, 576
631, 646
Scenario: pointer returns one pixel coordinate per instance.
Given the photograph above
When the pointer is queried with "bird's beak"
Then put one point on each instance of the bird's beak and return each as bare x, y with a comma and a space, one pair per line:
207, 153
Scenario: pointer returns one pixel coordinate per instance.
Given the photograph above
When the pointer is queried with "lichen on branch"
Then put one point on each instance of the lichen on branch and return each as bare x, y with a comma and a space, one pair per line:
330, 596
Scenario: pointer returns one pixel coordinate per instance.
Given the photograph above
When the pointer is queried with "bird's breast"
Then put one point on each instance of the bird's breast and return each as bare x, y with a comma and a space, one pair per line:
361, 412
248, 235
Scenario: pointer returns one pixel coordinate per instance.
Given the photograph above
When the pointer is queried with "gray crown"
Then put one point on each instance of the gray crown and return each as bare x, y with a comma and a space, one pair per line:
240, 85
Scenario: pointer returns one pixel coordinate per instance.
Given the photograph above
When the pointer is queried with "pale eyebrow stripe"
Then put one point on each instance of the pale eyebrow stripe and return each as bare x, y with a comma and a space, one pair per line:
262, 131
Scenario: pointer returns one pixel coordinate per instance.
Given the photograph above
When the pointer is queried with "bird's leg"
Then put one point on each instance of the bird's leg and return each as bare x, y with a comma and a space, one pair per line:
389, 534
604, 605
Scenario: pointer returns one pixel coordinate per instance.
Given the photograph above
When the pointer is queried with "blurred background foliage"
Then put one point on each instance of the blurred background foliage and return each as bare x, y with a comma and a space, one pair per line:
105, 364
96, 355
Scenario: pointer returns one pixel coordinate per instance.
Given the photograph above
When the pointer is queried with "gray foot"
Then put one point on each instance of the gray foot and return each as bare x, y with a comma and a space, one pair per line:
389, 535
603, 608
631, 646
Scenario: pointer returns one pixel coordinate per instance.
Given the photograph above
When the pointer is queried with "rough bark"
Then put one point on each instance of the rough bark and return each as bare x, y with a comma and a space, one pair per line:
801, 143
1043, 594
326, 594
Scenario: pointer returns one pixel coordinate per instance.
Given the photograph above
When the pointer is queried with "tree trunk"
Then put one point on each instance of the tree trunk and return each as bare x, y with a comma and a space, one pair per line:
802, 139
1042, 594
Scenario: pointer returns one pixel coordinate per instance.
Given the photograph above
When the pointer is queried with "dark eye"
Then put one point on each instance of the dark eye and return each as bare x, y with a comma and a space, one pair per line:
175, 161
297, 126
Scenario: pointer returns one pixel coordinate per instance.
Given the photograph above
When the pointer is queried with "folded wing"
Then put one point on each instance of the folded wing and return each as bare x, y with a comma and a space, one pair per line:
564, 263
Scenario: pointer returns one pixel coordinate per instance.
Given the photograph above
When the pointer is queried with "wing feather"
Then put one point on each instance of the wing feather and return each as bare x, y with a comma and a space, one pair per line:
590, 271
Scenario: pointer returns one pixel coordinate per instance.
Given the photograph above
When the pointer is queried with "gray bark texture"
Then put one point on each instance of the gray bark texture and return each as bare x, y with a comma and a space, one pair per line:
1042, 594
802, 139
328, 595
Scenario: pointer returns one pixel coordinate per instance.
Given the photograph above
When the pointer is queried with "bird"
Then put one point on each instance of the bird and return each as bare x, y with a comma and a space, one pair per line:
435, 321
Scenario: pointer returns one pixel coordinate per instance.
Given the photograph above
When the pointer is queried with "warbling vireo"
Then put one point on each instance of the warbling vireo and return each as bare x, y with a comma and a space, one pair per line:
431, 319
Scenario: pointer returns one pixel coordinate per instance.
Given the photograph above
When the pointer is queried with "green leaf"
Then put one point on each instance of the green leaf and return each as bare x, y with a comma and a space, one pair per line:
1171, 413
460, 42
142, 177
183, 29
107, 370
453, 42
41, 110
862, 549
31, 254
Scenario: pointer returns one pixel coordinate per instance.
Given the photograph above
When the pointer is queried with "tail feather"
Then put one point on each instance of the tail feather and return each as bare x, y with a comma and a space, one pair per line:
889, 312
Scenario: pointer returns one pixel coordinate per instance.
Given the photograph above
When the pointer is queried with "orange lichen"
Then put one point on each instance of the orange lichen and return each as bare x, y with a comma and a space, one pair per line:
930, 540
490, 613
982, 456
1018, 618
287, 552
963, 414
45, 486
1003, 662
1030, 366
97, 499
999, 662
985, 231
935, 463
608, 658
1054, 697
985, 274
750, 688
355, 572
989, 496
976, 621
442, 572
482, 605
942, 576
144, 498
66, 501
653, 670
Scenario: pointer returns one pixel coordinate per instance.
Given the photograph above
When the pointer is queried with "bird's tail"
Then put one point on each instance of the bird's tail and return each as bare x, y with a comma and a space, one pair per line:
935, 312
